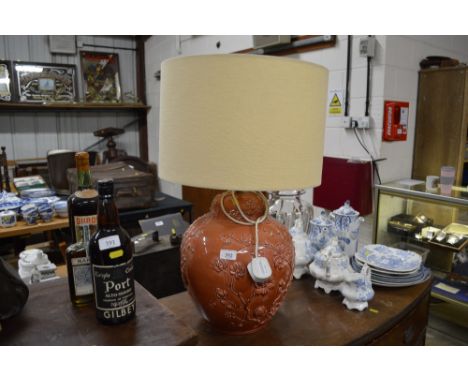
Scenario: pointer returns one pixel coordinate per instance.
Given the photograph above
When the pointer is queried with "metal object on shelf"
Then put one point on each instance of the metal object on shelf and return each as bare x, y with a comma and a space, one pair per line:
441, 236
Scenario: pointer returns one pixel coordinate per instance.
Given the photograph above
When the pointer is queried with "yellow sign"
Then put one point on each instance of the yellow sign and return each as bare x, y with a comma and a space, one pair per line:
335, 105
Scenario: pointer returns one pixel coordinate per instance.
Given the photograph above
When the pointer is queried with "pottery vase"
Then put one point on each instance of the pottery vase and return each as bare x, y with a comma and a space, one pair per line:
215, 252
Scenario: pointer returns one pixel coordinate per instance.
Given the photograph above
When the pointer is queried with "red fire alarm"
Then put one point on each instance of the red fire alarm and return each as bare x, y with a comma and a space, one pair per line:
395, 126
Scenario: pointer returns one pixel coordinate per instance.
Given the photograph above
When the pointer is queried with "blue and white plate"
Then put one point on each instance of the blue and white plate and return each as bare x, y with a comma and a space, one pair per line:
424, 276
386, 272
389, 259
402, 280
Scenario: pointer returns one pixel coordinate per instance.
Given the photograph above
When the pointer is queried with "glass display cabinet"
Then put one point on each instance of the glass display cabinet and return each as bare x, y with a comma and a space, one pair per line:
435, 226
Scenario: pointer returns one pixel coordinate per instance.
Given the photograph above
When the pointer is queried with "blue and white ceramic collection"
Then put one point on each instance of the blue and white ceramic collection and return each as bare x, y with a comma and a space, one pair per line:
393, 279
322, 231
330, 267
37, 193
30, 213
357, 289
7, 219
389, 259
347, 222
8, 201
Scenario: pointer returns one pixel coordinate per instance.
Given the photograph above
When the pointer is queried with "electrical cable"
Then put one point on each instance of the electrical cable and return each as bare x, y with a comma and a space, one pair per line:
368, 86
362, 143
348, 75
374, 164
248, 221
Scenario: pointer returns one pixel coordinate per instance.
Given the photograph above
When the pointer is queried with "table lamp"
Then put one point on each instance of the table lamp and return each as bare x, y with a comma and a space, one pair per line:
246, 124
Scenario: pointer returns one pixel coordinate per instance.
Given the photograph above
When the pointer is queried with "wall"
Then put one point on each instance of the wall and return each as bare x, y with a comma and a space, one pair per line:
32, 134
402, 57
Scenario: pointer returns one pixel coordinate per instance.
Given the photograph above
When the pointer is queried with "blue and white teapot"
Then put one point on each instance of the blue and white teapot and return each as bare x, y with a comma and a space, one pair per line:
346, 223
321, 232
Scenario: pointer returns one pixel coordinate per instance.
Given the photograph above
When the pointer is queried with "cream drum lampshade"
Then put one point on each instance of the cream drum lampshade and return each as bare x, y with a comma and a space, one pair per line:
242, 122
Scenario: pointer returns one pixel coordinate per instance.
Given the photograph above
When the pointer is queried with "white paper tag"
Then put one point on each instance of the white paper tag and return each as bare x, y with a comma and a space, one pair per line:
159, 223
228, 254
447, 288
259, 269
109, 242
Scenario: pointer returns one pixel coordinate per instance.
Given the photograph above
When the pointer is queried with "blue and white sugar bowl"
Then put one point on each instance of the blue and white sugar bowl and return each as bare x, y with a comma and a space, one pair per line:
321, 232
30, 213
7, 218
347, 222
330, 267
46, 211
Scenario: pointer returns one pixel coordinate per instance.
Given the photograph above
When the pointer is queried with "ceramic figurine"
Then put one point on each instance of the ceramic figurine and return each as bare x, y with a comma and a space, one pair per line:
302, 248
357, 289
330, 267
321, 232
346, 223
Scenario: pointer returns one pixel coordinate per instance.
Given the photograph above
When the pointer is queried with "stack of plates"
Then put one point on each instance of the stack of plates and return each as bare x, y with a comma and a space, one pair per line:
391, 267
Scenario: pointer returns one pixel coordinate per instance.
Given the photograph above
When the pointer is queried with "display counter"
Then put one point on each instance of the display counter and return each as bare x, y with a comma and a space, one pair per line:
409, 217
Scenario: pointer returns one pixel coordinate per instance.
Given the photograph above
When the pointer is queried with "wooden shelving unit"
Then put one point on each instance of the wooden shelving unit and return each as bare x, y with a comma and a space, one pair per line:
441, 122
16, 106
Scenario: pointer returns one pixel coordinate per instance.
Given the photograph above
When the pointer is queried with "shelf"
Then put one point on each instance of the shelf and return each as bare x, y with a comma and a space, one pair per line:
13, 106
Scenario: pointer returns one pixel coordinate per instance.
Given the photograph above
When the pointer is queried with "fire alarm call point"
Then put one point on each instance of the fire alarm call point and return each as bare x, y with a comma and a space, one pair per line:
395, 121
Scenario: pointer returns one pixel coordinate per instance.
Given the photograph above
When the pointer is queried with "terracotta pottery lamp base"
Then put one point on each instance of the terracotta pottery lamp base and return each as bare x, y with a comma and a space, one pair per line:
215, 253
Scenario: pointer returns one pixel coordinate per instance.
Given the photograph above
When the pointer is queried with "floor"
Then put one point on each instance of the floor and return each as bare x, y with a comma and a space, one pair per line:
440, 332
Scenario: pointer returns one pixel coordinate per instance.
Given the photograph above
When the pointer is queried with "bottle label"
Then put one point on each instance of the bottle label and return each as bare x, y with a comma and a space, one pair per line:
85, 227
109, 242
114, 289
82, 276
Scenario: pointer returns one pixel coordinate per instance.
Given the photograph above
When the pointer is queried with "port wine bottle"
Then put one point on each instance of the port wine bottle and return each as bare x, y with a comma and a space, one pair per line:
111, 255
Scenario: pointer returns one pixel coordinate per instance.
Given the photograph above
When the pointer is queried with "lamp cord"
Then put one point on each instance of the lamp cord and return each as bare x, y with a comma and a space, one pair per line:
248, 221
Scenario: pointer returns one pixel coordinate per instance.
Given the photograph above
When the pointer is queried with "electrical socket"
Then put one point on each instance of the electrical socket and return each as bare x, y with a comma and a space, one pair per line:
367, 47
360, 122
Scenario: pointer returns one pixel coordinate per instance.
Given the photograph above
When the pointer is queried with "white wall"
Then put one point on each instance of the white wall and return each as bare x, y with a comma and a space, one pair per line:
32, 134
402, 57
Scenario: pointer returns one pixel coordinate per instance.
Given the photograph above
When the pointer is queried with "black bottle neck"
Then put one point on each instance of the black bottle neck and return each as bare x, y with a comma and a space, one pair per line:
108, 215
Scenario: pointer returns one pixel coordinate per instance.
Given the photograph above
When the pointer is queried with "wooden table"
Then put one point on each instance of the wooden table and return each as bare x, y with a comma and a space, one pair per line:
396, 316
21, 228
50, 319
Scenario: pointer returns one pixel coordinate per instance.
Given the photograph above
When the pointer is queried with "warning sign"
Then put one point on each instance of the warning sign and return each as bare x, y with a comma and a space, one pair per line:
335, 102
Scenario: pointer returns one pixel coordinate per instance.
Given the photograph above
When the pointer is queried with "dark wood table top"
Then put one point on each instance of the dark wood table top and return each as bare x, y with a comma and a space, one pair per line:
308, 316
50, 319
